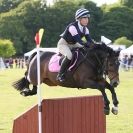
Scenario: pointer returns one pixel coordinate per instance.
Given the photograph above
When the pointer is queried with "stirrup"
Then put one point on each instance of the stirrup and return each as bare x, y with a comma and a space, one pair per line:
61, 78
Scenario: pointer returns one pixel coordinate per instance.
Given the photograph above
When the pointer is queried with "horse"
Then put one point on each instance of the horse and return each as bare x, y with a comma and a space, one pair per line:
89, 70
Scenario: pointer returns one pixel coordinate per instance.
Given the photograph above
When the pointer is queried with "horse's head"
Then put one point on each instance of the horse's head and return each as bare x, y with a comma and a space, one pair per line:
110, 57
105, 59
113, 68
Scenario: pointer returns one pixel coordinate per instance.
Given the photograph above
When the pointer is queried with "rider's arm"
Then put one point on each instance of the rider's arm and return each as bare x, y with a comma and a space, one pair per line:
73, 31
88, 37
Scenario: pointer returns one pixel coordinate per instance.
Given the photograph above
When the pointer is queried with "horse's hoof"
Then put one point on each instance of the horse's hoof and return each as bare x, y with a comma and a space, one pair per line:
114, 110
24, 93
33, 93
106, 111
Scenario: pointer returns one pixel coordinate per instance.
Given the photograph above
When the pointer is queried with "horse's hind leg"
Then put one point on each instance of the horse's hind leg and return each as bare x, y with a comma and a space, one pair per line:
26, 91
34, 90
114, 98
22, 85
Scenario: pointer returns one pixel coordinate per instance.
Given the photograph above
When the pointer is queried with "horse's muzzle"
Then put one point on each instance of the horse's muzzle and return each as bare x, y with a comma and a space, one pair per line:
114, 83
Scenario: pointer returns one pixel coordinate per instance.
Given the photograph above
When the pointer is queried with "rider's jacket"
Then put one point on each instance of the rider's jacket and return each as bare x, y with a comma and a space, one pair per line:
72, 37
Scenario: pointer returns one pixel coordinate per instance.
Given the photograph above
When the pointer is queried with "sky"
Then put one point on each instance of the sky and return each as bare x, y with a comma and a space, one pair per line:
98, 2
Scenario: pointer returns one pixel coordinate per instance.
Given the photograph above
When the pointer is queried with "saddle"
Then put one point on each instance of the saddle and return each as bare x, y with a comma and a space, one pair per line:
55, 61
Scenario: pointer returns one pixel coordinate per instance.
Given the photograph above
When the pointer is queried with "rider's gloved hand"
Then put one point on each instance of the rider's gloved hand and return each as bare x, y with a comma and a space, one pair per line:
87, 45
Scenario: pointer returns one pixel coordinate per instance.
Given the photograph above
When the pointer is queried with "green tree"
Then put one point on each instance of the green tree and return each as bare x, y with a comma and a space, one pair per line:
6, 5
128, 3
55, 19
6, 48
20, 26
21, 23
124, 41
117, 22
96, 17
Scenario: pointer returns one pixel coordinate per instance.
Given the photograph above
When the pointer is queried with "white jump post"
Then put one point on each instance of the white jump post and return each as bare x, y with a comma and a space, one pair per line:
38, 38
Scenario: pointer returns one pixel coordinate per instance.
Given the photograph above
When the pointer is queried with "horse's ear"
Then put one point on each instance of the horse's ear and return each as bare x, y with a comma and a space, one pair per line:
117, 53
103, 43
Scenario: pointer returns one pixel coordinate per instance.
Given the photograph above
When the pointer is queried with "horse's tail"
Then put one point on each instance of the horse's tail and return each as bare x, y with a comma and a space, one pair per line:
20, 84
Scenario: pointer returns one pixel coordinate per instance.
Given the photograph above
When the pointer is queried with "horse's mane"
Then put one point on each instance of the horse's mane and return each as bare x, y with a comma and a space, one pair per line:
102, 47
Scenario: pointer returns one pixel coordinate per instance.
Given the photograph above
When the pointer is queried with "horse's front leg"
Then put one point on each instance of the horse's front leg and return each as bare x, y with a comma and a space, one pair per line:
106, 102
114, 98
100, 86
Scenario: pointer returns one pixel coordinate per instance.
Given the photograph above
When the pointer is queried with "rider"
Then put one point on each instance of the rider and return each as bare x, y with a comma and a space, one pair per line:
72, 38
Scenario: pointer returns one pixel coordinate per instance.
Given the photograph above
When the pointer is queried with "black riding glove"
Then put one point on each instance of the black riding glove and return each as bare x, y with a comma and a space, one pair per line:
88, 45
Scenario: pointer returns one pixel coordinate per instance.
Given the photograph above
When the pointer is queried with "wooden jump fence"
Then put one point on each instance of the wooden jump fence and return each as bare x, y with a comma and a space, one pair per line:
65, 115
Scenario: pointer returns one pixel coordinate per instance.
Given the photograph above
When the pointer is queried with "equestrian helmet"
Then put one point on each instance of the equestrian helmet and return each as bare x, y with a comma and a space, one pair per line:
81, 13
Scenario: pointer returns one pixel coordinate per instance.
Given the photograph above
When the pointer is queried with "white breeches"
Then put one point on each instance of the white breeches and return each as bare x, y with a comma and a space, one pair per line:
65, 48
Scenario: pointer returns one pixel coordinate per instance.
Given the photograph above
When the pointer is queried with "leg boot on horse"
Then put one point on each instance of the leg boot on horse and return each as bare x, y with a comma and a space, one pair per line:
63, 70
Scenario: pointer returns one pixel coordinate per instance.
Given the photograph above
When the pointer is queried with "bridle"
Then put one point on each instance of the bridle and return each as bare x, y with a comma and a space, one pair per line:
103, 69
104, 66
107, 71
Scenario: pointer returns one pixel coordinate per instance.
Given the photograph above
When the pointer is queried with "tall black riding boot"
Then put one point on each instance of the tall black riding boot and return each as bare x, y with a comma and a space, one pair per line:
64, 66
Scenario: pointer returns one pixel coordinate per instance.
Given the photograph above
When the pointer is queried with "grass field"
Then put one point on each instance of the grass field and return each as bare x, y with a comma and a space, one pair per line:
13, 104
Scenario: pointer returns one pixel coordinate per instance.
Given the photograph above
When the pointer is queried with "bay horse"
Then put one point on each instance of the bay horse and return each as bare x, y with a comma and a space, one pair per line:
89, 72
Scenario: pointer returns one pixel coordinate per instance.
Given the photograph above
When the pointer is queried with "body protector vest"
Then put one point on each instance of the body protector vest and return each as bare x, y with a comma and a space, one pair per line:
67, 35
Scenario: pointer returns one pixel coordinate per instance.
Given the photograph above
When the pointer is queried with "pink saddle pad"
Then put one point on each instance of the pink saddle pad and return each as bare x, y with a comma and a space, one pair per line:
54, 63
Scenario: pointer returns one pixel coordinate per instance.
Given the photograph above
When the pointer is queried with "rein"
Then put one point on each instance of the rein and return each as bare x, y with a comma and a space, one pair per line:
107, 70
111, 77
102, 68
101, 64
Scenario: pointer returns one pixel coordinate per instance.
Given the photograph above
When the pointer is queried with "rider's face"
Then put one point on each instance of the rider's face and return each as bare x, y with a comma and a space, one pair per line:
84, 21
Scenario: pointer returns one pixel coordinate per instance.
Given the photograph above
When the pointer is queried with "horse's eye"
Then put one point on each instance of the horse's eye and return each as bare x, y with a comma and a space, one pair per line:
111, 64
117, 62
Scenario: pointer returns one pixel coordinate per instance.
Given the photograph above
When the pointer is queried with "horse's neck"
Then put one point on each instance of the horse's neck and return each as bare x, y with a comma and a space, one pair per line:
100, 57
97, 58
95, 55
97, 52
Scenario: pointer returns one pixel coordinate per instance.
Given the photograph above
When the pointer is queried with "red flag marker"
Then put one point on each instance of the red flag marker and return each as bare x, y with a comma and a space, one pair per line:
37, 39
